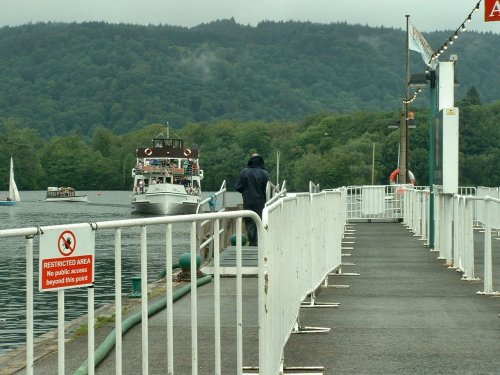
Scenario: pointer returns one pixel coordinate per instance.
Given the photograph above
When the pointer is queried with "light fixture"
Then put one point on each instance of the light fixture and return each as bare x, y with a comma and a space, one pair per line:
462, 27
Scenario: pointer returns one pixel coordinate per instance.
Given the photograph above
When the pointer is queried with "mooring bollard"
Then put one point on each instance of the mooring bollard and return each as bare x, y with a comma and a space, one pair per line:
185, 265
234, 238
136, 287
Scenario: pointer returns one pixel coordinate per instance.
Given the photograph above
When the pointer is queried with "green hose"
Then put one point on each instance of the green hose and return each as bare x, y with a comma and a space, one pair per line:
109, 342
163, 273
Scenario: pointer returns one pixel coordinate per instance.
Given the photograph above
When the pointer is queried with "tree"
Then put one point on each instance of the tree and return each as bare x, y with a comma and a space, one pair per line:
471, 97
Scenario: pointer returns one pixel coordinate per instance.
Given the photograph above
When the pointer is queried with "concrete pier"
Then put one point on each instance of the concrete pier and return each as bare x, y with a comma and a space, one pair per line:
405, 313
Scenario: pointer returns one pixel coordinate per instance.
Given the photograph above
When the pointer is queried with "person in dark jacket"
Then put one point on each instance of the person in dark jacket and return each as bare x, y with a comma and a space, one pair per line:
252, 186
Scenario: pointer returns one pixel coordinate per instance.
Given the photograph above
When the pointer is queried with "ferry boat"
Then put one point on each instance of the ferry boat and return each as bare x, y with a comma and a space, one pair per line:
64, 194
167, 178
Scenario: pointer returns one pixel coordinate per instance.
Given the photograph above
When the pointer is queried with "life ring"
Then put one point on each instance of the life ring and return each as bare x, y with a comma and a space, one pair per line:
395, 173
187, 152
148, 151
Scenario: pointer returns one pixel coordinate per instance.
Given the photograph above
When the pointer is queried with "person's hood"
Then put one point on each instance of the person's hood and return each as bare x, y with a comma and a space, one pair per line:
256, 162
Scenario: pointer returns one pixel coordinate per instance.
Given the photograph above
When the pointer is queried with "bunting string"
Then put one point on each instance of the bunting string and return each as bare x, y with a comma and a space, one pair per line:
454, 36
447, 44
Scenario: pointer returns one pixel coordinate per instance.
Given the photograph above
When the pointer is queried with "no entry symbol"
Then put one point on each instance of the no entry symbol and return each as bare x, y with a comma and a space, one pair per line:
66, 243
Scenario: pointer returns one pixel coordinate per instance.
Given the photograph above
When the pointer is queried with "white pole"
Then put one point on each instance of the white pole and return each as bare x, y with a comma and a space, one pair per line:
90, 330
144, 301
277, 168
29, 306
239, 299
60, 332
170, 302
373, 165
118, 301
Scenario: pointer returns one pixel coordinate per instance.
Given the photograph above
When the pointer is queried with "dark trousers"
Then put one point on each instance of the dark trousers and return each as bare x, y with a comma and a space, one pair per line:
251, 231
250, 224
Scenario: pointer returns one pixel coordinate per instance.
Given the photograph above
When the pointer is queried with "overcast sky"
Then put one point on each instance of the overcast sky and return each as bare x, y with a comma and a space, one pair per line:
426, 15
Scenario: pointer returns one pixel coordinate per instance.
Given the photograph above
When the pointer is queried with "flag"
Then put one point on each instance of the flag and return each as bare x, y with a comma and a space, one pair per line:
416, 42
492, 10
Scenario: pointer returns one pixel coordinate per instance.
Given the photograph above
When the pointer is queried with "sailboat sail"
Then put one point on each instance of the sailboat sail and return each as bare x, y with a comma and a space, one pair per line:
13, 192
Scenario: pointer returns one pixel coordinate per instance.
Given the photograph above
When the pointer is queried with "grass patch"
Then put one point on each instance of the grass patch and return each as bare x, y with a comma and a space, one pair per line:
100, 322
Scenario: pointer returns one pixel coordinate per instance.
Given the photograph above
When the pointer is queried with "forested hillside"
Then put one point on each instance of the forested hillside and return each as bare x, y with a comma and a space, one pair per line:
330, 149
74, 78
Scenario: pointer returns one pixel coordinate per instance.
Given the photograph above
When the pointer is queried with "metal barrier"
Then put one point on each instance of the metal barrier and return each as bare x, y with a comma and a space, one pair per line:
211, 201
308, 248
417, 209
455, 218
483, 191
380, 202
273, 193
301, 234
314, 188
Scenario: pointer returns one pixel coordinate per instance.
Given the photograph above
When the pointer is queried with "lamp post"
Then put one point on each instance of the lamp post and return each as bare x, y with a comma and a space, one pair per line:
403, 157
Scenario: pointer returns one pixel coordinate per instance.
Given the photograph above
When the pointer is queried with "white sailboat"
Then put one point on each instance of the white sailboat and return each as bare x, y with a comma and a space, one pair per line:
13, 196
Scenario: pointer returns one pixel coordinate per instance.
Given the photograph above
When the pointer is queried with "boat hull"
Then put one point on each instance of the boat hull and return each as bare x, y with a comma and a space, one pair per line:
8, 203
165, 203
79, 198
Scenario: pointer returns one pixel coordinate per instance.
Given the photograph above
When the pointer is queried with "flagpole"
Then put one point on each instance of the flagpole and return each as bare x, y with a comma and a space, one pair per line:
407, 145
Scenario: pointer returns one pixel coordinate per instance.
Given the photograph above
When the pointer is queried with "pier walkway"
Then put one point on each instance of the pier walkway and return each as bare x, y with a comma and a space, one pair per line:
405, 313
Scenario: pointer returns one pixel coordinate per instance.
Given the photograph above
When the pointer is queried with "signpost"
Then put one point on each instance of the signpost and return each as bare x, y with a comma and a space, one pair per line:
66, 257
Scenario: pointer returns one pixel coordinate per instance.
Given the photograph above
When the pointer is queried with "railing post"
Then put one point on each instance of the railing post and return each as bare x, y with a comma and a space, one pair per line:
60, 332
118, 301
488, 268
29, 305
90, 330
144, 301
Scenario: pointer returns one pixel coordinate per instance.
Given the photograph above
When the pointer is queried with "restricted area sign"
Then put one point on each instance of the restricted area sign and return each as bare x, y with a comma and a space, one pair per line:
66, 257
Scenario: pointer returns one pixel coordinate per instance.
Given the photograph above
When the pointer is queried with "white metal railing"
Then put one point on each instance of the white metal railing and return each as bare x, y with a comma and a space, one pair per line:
273, 193
455, 218
416, 205
483, 191
314, 188
375, 202
305, 229
206, 243
295, 260
211, 201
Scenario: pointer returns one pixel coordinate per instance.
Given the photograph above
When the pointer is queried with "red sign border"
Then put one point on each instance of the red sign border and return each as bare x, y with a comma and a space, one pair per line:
488, 9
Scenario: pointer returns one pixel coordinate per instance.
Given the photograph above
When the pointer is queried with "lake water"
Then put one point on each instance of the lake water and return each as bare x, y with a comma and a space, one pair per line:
102, 206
